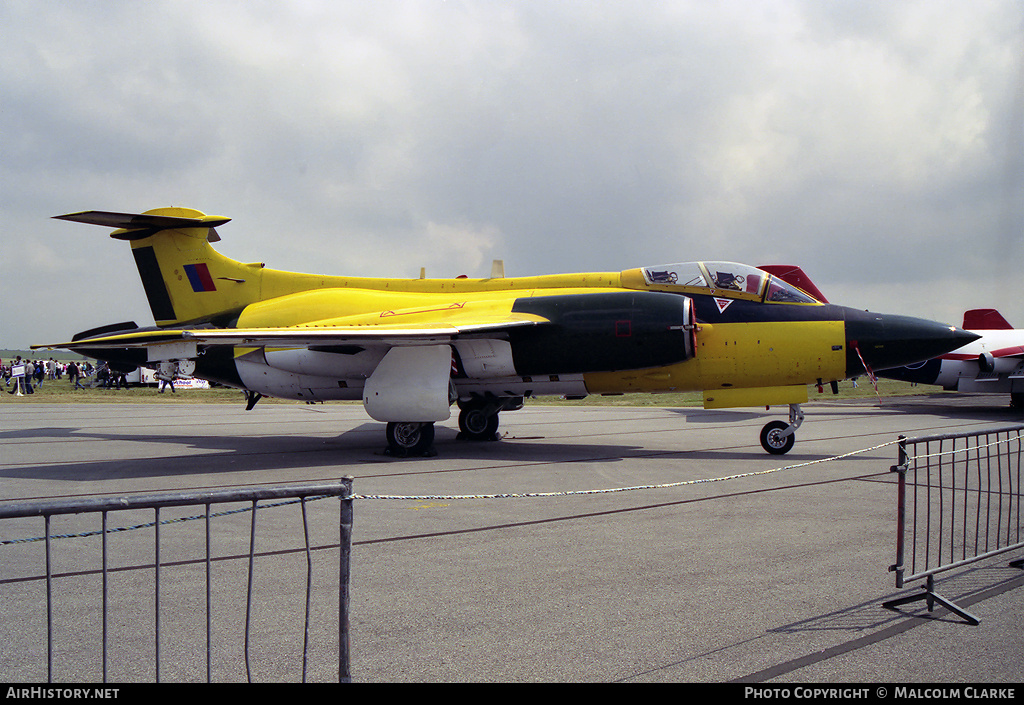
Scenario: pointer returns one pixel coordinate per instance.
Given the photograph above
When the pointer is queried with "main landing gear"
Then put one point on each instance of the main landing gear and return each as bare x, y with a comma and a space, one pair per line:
478, 421
478, 417
778, 437
410, 438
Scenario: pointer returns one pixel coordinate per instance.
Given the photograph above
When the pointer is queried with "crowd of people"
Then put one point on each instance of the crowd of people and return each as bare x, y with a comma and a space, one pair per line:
34, 373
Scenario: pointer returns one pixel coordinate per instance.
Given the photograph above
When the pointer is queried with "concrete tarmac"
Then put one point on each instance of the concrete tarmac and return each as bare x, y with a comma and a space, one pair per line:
775, 575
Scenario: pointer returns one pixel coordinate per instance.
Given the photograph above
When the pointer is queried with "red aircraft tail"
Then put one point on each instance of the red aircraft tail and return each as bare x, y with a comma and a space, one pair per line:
985, 319
791, 274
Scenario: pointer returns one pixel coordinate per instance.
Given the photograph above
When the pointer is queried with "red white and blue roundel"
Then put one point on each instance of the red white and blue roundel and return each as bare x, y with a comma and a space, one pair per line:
199, 277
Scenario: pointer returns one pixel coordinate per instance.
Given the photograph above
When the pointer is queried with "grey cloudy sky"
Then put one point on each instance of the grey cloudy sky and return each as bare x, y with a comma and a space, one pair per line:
877, 144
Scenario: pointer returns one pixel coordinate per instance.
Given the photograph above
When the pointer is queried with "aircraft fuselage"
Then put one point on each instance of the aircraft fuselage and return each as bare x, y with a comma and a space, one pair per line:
610, 333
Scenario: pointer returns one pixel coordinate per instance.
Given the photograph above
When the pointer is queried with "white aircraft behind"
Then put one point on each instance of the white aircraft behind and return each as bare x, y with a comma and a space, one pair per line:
994, 363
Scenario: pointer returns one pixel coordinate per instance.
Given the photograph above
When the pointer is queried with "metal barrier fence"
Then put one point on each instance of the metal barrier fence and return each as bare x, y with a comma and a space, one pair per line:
183, 562
959, 501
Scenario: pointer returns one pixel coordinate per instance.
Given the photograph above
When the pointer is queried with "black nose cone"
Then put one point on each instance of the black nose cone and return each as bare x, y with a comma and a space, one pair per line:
882, 341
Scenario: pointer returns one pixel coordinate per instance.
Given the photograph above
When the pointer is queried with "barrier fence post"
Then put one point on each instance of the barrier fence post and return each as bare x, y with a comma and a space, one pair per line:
952, 482
272, 496
901, 508
344, 575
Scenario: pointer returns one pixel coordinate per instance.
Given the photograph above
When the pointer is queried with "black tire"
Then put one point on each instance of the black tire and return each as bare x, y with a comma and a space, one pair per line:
477, 424
772, 440
1017, 401
409, 438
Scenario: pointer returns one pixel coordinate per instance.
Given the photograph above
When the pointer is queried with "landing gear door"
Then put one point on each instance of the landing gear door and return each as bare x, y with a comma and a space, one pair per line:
410, 385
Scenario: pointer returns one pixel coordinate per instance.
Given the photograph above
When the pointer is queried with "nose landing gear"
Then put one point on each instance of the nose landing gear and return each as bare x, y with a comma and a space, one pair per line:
778, 437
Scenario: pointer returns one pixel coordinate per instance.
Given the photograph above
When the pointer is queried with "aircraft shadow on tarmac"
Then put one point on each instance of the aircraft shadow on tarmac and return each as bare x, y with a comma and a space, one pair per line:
954, 405
352, 452
699, 415
994, 407
356, 448
951, 405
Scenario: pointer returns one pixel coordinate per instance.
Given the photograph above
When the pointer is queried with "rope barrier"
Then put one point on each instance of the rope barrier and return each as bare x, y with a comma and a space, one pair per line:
666, 485
502, 495
966, 449
151, 524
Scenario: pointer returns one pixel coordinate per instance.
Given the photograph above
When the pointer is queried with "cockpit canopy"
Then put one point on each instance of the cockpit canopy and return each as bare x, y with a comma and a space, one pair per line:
724, 277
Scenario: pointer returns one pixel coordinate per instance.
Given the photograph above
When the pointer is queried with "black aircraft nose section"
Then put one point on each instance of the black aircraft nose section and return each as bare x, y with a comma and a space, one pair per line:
885, 341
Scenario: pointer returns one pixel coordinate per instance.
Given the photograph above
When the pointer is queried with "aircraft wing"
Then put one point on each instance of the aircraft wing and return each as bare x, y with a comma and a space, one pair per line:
1010, 351
395, 334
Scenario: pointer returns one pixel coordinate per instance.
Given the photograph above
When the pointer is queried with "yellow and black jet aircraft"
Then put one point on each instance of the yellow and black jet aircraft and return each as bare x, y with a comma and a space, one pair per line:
410, 348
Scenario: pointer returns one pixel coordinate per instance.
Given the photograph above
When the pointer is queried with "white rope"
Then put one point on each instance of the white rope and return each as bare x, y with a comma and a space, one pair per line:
504, 495
966, 449
568, 493
162, 522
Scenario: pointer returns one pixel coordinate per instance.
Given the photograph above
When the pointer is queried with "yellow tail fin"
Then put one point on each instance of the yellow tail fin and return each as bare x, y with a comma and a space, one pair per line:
186, 280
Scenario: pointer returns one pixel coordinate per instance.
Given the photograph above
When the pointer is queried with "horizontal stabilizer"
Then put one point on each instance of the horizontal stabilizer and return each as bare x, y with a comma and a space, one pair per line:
104, 330
133, 226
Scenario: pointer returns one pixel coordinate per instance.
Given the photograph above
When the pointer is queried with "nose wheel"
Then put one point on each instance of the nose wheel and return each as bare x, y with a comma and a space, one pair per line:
778, 437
